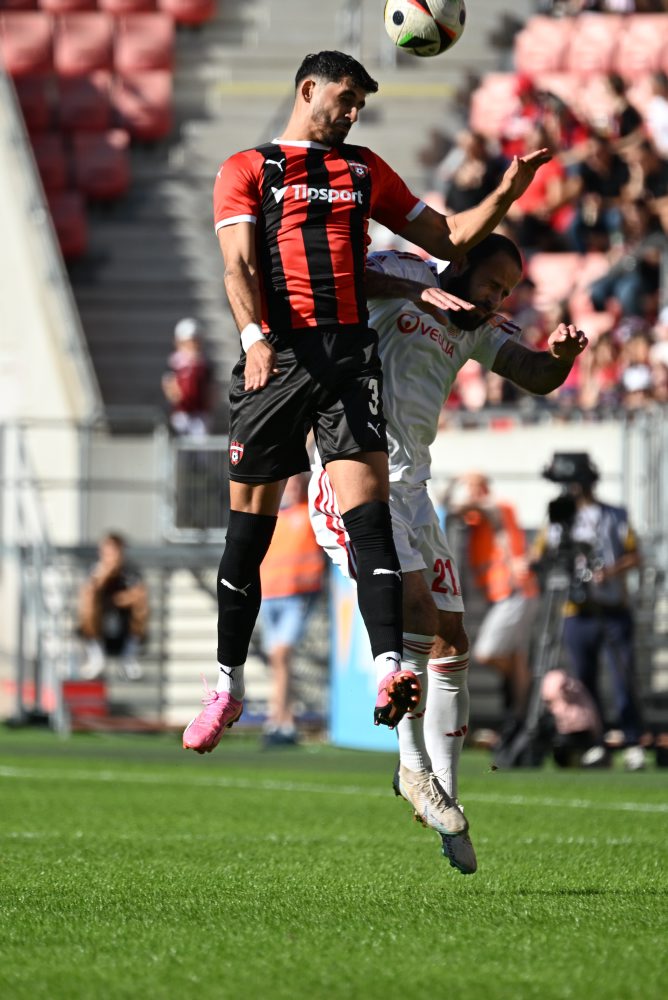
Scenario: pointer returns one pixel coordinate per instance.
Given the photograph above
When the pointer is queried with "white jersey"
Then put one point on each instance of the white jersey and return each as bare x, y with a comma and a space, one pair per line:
421, 358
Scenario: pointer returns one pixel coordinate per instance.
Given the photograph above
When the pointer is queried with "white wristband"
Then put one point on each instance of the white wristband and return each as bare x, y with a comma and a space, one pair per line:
250, 335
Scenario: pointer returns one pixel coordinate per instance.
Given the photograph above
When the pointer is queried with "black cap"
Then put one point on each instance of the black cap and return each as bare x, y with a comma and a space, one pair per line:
571, 467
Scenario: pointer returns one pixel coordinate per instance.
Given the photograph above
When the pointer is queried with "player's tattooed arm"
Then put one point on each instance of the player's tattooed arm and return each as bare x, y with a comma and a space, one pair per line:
541, 372
430, 299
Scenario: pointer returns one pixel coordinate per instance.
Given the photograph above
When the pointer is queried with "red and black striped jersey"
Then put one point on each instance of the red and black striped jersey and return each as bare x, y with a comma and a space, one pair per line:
311, 205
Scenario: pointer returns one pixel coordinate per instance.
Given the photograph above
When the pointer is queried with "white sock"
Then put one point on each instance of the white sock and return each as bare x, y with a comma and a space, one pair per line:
386, 663
412, 749
231, 681
447, 717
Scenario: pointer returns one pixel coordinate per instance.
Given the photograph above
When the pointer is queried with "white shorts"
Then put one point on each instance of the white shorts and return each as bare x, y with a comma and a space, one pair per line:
419, 539
506, 628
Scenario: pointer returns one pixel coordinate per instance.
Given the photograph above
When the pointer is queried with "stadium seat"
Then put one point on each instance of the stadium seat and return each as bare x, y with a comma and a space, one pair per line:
101, 163
33, 96
492, 103
541, 45
593, 43
18, 4
66, 6
51, 159
84, 102
68, 212
189, 11
83, 43
143, 104
144, 41
120, 7
642, 44
26, 42
591, 267
640, 93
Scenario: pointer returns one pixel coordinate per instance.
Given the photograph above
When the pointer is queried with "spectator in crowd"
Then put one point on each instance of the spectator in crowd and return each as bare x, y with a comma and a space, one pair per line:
578, 731
597, 617
656, 113
113, 611
189, 384
568, 133
496, 552
630, 287
475, 175
540, 219
625, 125
601, 376
597, 187
291, 576
527, 113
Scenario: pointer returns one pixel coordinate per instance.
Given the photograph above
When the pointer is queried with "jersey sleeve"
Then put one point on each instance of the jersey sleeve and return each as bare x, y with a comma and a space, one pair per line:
236, 192
399, 264
492, 335
392, 203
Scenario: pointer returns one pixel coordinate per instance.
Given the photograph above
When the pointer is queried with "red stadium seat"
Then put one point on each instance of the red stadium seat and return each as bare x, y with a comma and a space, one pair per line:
26, 43
51, 159
68, 212
144, 41
143, 104
540, 47
593, 44
101, 163
84, 102
18, 4
492, 104
640, 93
66, 6
189, 11
642, 43
33, 96
120, 7
83, 43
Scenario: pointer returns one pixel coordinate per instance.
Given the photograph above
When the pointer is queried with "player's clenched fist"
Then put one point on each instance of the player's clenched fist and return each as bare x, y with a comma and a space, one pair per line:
566, 342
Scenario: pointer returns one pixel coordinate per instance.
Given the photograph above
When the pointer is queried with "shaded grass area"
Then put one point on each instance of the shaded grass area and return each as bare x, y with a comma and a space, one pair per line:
131, 868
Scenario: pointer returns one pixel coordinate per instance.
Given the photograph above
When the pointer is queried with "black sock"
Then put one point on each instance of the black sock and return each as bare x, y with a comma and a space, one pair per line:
239, 593
379, 592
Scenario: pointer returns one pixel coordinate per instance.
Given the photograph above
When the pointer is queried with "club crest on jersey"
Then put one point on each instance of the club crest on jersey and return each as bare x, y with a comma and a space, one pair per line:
360, 169
236, 452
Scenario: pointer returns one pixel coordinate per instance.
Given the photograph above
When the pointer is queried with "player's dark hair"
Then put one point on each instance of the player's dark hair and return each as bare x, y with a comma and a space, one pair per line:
492, 244
115, 538
334, 66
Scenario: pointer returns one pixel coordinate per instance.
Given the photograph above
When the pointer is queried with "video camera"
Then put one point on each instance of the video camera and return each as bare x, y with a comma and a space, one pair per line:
572, 560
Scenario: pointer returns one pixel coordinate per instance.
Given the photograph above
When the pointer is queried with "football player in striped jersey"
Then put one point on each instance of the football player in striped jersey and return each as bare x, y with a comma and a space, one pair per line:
431, 318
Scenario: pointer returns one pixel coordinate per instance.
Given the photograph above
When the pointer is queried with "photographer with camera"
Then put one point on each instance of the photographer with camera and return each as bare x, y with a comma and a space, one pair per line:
594, 547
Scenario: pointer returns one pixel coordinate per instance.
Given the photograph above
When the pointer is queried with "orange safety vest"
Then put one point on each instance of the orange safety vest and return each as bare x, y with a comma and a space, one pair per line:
492, 550
295, 562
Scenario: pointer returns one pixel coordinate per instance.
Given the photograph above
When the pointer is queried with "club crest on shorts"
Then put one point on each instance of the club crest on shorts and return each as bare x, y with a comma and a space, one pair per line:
236, 452
360, 169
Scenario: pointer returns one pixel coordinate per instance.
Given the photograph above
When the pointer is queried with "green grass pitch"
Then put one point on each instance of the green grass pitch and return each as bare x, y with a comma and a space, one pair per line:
132, 869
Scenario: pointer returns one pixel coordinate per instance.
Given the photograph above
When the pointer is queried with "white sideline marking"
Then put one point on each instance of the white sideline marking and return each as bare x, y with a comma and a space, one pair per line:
245, 784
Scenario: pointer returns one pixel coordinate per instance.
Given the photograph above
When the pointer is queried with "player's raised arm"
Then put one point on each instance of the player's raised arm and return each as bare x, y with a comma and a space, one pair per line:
449, 237
541, 372
432, 299
237, 244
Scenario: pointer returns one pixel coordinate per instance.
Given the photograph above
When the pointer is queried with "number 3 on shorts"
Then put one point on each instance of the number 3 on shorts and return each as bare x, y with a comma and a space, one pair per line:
373, 389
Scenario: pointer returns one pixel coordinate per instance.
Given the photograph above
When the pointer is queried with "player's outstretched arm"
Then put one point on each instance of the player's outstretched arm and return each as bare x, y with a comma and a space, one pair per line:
237, 244
450, 237
541, 372
430, 298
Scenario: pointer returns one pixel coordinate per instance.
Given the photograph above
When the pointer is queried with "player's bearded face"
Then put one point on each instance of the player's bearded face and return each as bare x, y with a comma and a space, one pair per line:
334, 110
485, 286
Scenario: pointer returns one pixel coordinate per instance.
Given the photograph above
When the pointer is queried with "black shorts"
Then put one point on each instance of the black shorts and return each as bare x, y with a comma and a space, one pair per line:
330, 382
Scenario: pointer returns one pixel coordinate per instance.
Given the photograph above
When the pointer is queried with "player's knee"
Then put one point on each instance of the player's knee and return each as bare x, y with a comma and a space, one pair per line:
369, 526
247, 540
451, 638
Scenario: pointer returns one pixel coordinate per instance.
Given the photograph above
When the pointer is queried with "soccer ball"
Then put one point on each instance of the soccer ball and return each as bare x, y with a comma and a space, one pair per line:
425, 27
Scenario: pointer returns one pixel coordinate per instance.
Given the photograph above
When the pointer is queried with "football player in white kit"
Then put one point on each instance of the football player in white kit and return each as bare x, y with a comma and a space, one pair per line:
431, 318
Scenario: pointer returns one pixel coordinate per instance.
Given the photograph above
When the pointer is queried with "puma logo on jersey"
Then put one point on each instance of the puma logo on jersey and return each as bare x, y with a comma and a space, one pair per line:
277, 163
237, 590
279, 194
387, 572
375, 429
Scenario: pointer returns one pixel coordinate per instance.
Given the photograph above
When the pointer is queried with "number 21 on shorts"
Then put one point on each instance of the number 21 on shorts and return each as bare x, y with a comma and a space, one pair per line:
444, 581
